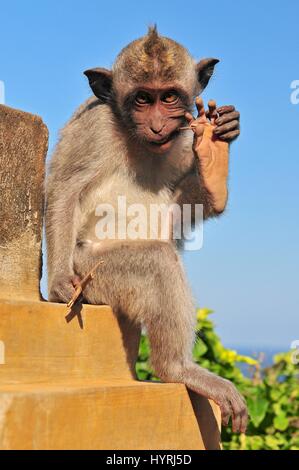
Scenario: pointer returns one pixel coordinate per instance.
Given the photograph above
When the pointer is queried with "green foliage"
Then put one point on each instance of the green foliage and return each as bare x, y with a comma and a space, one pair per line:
272, 393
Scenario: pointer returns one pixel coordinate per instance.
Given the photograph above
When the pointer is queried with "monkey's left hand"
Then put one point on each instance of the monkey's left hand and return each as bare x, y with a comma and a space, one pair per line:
212, 135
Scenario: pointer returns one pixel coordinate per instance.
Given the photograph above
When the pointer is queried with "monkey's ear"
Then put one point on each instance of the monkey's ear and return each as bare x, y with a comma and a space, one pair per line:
205, 69
100, 81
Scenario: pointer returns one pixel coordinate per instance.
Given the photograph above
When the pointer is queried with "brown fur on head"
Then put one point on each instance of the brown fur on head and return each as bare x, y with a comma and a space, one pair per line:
152, 58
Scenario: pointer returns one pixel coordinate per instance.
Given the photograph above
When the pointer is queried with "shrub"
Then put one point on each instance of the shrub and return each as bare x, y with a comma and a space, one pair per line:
272, 393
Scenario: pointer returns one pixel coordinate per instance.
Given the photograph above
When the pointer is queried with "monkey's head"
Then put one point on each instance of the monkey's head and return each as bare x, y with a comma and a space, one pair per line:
153, 82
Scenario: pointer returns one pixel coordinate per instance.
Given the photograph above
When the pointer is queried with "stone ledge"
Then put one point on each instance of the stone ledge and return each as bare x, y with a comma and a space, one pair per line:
40, 345
111, 416
69, 385
23, 148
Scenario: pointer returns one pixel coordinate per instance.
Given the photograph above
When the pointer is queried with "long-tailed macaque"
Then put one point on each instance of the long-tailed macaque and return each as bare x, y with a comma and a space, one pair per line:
128, 141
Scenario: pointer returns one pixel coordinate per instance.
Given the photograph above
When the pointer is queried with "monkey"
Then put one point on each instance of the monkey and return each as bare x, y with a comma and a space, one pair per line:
128, 139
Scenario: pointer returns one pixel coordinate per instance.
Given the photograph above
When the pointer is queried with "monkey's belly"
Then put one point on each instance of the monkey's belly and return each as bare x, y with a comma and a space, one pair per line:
107, 229
112, 213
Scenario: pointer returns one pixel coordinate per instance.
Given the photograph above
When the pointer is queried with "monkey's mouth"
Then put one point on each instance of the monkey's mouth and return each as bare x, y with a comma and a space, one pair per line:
164, 141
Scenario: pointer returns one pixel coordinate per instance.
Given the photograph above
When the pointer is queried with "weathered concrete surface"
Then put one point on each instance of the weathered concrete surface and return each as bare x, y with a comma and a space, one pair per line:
23, 147
70, 386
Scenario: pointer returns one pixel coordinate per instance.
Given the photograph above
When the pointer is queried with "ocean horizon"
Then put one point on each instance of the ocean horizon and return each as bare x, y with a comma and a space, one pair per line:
265, 354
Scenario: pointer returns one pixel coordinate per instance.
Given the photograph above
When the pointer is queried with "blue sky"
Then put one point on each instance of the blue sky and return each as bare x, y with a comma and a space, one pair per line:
247, 270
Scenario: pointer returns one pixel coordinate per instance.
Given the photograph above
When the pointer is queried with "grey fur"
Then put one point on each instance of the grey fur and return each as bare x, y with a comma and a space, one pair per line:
94, 161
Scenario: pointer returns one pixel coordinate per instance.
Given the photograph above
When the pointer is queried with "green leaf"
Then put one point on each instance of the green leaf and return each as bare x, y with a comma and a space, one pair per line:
281, 422
277, 408
256, 442
203, 313
275, 394
272, 442
143, 348
247, 360
257, 409
200, 348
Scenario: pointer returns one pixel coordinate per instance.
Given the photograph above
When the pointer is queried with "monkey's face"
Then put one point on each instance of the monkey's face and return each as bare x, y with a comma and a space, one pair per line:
156, 113
152, 84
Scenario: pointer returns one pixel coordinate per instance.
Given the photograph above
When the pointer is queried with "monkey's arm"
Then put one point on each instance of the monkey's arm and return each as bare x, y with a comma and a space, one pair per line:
207, 184
192, 190
62, 221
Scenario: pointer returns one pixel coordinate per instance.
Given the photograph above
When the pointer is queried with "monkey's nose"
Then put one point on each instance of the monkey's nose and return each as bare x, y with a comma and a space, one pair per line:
157, 129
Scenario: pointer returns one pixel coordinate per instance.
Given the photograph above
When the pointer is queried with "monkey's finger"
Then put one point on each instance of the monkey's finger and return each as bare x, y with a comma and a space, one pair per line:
200, 108
212, 111
227, 127
229, 136
62, 293
240, 413
226, 413
193, 123
225, 109
244, 421
239, 421
227, 117
244, 415
76, 281
236, 422
196, 125
189, 118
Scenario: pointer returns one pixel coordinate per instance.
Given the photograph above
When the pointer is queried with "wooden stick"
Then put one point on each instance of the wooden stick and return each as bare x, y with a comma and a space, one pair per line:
79, 289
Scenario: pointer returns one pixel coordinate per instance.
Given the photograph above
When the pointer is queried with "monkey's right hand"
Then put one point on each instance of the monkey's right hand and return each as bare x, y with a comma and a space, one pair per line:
230, 401
63, 287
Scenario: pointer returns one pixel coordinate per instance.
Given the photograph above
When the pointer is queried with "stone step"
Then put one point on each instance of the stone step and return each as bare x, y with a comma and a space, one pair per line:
69, 384
42, 345
98, 415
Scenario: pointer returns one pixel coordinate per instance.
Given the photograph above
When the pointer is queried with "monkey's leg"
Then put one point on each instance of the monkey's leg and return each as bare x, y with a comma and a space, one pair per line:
147, 283
131, 333
170, 328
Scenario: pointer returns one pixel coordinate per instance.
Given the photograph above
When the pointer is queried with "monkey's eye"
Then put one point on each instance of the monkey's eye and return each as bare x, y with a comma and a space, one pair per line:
143, 98
170, 97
